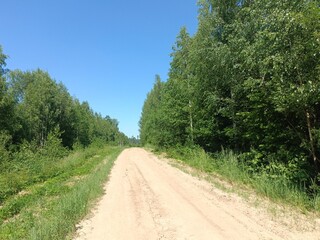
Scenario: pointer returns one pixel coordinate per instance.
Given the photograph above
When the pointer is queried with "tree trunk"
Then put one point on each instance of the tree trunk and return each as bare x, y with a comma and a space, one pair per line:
312, 143
191, 120
190, 111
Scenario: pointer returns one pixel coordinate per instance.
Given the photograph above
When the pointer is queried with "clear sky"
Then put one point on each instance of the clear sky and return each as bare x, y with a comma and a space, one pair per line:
106, 52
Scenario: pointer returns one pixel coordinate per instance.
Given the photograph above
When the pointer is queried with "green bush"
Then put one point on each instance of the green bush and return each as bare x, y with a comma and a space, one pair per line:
5, 140
53, 148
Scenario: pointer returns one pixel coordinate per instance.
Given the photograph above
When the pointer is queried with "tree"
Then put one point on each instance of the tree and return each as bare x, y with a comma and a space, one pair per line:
182, 86
42, 106
150, 124
248, 80
7, 120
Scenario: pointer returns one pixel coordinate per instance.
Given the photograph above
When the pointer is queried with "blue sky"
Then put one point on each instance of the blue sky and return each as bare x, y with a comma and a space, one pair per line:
105, 52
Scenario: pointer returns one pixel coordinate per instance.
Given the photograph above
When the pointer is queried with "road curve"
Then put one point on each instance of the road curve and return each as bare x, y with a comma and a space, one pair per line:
146, 198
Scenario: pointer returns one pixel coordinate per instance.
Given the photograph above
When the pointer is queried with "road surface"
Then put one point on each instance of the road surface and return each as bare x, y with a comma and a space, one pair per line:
146, 198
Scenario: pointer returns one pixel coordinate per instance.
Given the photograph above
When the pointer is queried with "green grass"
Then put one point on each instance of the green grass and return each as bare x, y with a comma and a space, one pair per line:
50, 209
228, 167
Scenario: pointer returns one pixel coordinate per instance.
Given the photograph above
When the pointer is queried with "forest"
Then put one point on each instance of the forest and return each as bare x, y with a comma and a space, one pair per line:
247, 82
35, 108
40, 125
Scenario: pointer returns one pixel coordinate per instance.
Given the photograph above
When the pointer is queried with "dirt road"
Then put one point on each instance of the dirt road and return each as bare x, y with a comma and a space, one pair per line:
146, 198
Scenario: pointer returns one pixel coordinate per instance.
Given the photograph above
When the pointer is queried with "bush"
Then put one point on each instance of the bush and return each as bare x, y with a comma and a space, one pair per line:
5, 140
53, 148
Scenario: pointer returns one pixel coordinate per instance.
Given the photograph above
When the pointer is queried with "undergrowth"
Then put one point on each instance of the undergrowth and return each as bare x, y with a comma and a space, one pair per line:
271, 184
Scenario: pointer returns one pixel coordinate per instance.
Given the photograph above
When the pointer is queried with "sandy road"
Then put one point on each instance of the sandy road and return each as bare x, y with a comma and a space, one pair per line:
146, 198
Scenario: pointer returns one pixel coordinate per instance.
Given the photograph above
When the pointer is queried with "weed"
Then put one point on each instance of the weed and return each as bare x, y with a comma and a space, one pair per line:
227, 164
49, 209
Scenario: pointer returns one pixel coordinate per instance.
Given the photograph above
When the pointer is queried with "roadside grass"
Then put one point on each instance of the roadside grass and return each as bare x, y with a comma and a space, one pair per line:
227, 166
50, 209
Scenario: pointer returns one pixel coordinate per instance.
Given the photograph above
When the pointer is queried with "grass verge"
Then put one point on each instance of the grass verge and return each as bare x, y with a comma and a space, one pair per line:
227, 167
50, 209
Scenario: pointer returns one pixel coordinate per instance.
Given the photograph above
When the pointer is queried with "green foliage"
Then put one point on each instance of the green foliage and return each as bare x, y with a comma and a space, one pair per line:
249, 81
53, 147
36, 210
150, 119
5, 141
46, 138
273, 181
40, 106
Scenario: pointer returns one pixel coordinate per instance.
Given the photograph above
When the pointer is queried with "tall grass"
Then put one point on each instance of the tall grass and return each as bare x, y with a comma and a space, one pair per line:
50, 209
229, 167
71, 206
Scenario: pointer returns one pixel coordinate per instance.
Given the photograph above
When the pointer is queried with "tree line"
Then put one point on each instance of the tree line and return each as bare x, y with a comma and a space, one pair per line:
34, 108
248, 80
